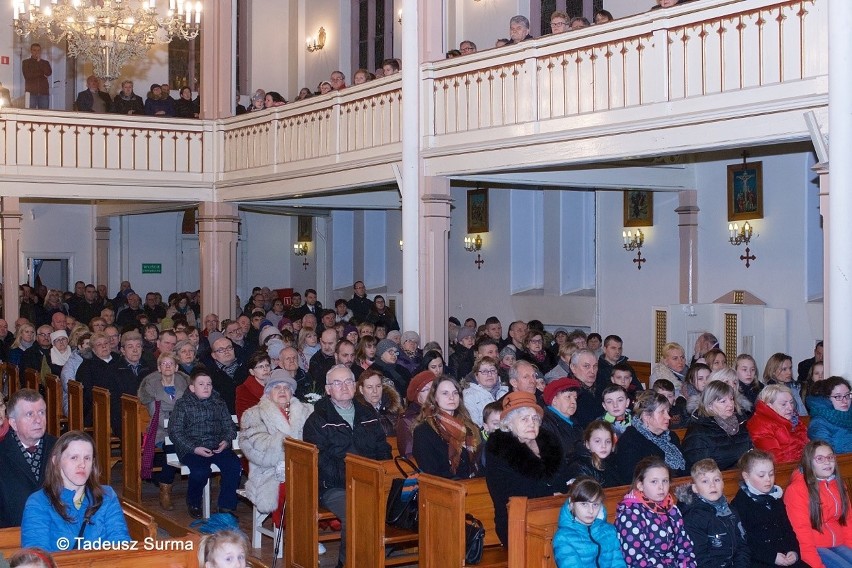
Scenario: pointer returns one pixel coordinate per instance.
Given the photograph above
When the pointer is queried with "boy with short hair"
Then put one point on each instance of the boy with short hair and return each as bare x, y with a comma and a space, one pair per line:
679, 418
717, 535
201, 429
491, 418
615, 403
622, 375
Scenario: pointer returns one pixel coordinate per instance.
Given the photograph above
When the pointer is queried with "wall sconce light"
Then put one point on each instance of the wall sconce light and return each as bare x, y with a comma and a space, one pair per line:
474, 244
400, 245
634, 242
742, 236
315, 44
399, 16
300, 249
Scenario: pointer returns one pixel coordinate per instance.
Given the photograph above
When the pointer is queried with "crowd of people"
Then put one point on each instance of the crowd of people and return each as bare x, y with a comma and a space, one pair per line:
530, 412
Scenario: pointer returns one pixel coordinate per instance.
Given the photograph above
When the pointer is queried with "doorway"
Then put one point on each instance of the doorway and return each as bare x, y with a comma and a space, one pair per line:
54, 273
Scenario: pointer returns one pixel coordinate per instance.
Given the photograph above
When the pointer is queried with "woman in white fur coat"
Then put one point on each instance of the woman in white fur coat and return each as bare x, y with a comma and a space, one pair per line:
262, 431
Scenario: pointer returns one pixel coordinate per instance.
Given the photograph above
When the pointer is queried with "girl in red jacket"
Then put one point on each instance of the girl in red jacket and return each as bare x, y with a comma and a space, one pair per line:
819, 510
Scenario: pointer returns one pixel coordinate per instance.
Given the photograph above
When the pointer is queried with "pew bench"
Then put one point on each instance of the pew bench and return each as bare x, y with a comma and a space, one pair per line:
75, 405
105, 442
368, 483
9, 381
57, 422
533, 522
443, 506
303, 513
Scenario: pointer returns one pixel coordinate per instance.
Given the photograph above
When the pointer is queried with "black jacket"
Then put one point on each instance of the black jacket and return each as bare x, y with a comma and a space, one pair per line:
361, 307
514, 470
17, 481
319, 365
96, 372
226, 386
581, 465
461, 360
767, 527
133, 105
632, 447
125, 382
334, 438
589, 407
86, 101
706, 439
567, 434
396, 373
718, 542
430, 451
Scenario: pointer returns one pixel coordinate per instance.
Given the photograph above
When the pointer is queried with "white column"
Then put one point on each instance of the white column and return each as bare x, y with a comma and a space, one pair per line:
825, 212
218, 233
218, 83
10, 224
434, 284
839, 283
102, 231
687, 222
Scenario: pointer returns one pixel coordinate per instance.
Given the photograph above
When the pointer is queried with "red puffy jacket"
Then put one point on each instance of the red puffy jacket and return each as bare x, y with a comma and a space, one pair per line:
773, 433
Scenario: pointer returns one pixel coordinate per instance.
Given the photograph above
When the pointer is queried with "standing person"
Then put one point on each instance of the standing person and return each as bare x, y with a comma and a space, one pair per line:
36, 71
649, 524
23, 454
73, 506
202, 431
818, 506
360, 304
338, 426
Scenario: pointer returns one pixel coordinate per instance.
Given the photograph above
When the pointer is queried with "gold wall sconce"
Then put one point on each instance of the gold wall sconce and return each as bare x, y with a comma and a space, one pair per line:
316, 43
634, 242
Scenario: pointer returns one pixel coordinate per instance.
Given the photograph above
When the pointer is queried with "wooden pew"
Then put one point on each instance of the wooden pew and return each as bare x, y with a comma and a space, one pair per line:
32, 379
368, 483
134, 423
75, 405
53, 398
10, 539
9, 383
104, 440
643, 371
303, 512
533, 522
443, 505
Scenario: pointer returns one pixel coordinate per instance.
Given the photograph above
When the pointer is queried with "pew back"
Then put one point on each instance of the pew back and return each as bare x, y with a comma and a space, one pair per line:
102, 431
75, 405
9, 379
134, 423
53, 400
32, 379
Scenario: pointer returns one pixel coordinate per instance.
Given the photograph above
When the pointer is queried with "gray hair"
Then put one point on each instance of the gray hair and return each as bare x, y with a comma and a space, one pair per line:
336, 367
513, 370
575, 358
506, 420
769, 393
22, 395
523, 20
726, 375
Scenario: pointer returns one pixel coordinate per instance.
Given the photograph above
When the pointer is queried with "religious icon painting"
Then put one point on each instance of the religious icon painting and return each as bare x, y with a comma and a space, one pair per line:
638, 208
745, 191
477, 211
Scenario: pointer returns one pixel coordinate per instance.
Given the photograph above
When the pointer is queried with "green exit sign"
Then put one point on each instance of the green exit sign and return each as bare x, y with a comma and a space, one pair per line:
152, 268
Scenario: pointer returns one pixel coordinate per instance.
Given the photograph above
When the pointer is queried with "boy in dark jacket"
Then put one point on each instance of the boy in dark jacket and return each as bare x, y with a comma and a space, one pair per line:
717, 535
761, 510
201, 429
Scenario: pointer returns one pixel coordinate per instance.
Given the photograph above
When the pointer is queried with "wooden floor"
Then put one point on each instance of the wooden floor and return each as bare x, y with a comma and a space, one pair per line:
150, 500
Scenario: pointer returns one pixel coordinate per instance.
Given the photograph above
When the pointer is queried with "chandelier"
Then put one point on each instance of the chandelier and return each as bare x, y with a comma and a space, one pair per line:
108, 33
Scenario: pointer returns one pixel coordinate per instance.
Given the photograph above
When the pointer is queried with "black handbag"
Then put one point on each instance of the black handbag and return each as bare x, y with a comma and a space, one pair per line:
474, 539
402, 508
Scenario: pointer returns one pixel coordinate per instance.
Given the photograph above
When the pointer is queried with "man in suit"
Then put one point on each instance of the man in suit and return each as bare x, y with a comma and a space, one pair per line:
24, 453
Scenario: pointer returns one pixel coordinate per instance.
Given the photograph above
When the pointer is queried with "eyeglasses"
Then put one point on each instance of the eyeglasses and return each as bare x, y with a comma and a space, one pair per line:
536, 340
43, 334
224, 349
263, 367
341, 384
488, 371
830, 458
842, 397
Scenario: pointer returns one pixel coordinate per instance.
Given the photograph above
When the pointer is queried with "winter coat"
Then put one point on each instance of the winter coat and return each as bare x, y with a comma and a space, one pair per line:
706, 439
461, 361
661, 371
197, 422
514, 470
389, 409
576, 545
247, 395
18, 481
42, 526
152, 390
405, 430
796, 501
653, 537
476, 398
717, 541
833, 426
581, 465
431, 453
773, 433
545, 365
768, 530
568, 433
335, 438
632, 447
262, 432
396, 373
226, 386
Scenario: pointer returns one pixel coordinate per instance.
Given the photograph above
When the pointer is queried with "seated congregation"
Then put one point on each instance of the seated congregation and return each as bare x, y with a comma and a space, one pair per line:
534, 414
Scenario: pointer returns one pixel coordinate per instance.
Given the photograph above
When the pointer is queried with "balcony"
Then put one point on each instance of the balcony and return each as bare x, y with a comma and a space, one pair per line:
703, 76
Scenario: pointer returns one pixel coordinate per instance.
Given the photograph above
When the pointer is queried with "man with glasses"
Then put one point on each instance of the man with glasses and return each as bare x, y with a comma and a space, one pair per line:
24, 453
559, 22
467, 47
37, 357
360, 304
340, 426
227, 372
99, 371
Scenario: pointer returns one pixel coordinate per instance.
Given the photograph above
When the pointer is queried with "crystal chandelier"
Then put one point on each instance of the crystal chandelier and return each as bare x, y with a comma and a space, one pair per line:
108, 33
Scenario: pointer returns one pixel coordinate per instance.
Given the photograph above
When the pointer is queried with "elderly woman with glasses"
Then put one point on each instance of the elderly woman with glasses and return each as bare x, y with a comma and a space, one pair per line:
831, 420
775, 427
159, 391
263, 428
485, 390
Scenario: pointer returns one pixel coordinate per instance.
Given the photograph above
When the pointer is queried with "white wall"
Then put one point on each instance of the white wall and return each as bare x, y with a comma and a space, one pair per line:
49, 231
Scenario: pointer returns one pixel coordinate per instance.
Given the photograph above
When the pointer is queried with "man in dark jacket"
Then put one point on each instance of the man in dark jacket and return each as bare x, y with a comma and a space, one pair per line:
340, 426
387, 354
93, 99
99, 371
227, 373
37, 357
128, 376
126, 101
324, 359
24, 453
612, 356
360, 304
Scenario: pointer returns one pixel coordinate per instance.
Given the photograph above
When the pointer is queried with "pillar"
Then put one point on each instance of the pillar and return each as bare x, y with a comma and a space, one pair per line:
423, 20
687, 222
825, 212
218, 233
218, 57
10, 226
102, 232
838, 284
434, 306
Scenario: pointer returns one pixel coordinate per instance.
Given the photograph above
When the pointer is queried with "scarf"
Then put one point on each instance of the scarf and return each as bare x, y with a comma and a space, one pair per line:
25, 344
58, 357
662, 508
454, 432
765, 499
730, 425
673, 456
720, 505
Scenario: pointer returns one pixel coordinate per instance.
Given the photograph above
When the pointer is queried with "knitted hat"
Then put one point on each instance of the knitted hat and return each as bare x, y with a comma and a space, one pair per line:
508, 350
411, 336
385, 345
417, 383
277, 377
57, 334
454, 320
394, 335
284, 323
265, 332
349, 328
274, 348
518, 399
465, 332
559, 385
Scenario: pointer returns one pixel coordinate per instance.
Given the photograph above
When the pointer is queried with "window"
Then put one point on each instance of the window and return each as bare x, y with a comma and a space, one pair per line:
185, 63
372, 33
585, 8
